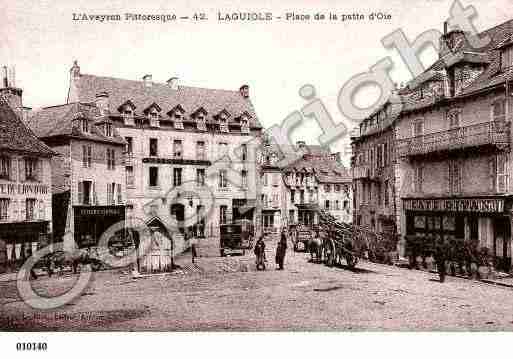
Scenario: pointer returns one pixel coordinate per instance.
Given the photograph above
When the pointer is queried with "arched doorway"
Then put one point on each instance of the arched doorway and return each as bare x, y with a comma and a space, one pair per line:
178, 213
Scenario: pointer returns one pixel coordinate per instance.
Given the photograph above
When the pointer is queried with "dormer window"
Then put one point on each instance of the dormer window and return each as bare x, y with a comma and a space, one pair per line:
127, 110
222, 118
153, 114
177, 115
244, 123
506, 58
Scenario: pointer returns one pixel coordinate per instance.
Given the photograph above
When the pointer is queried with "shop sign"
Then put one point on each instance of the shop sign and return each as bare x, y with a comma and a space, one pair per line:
101, 211
486, 205
23, 188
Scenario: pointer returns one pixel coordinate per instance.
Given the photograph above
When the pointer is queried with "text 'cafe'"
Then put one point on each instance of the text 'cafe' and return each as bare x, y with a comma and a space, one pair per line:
485, 220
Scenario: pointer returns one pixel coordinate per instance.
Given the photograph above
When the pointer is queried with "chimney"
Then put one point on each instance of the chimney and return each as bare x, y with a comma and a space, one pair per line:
5, 78
445, 27
102, 102
147, 79
75, 70
450, 41
244, 91
173, 83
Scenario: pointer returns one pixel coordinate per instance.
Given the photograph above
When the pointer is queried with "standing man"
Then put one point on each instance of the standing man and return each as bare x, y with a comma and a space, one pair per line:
260, 253
281, 250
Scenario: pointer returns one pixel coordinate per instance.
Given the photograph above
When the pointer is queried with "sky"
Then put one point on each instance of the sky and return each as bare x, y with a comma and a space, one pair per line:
274, 58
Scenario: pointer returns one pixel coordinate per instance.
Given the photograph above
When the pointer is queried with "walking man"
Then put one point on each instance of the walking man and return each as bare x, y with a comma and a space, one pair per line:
281, 250
260, 253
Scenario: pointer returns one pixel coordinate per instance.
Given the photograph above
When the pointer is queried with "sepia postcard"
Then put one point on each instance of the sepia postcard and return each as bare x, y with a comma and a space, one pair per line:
305, 168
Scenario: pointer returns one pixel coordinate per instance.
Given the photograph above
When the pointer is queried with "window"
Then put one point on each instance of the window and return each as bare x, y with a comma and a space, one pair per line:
177, 177
454, 177
418, 128
85, 192
337, 188
417, 179
129, 176
346, 205
201, 123
327, 188
244, 125
108, 130
31, 169
385, 195
337, 205
378, 193
327, 204
291, 215
30, 205
128, 112
223, 183
301, 196
223, 123
5, 168
244, 179
111, 159
265, 180
222, 214
111, 189
200, 151
4, 209
223, 149
499, 110
453, 117
311, 196
292, 196
200, 176
119, 195
129, 144
153, 147
507, 58
87, 156
502, 176
385, 154
244, 152
154, 176
84, 125
177, 149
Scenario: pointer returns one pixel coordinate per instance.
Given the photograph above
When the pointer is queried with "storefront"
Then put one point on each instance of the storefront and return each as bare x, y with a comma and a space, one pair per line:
19, 240
485, 220
92, 221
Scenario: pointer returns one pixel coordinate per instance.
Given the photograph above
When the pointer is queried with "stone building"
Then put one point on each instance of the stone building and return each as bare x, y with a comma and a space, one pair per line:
189, 159
452, 138
25, 185
297, 190
88, 178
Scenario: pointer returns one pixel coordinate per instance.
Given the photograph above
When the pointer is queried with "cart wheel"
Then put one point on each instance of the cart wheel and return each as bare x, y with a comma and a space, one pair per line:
222, 252
351, 261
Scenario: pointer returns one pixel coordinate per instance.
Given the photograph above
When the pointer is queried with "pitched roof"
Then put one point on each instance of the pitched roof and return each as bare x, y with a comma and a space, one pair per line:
142, 96
58, 121
15, 136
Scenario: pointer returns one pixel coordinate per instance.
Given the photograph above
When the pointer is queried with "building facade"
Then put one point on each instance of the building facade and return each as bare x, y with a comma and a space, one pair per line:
25, 185
88, 178
189, 159
451, 158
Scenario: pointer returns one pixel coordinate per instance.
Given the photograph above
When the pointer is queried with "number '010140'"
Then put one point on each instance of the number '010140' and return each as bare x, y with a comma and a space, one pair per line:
31, 346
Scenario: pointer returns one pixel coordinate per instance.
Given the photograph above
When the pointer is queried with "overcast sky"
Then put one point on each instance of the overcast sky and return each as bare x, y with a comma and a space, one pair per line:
275, 59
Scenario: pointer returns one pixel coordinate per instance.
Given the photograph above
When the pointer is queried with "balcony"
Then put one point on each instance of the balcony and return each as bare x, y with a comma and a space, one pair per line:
492, 134
361, 171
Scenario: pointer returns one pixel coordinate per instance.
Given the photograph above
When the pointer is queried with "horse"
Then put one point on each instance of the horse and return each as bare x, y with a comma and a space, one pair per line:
315, 247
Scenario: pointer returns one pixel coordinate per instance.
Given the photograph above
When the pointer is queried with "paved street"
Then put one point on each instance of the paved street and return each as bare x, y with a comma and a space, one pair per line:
228, 294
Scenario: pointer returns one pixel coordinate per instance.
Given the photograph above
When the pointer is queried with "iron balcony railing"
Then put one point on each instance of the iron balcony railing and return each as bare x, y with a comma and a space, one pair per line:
487, 133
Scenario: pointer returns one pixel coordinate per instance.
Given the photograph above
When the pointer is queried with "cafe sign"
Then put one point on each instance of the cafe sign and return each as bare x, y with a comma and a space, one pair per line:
484, 205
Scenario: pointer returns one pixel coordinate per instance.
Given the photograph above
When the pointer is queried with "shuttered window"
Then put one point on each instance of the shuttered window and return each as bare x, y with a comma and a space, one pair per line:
499, 110
4, 209
502, 173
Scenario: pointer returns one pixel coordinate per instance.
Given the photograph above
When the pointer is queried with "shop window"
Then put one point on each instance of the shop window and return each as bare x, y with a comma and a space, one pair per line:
30, 206
177, 177
4, 209
87, 156
499, 110
5, 168
153, 147
154, 176
222, 214
200, 176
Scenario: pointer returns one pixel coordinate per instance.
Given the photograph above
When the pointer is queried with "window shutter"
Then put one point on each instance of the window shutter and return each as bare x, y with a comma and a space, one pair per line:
89, 156
94, 196
21, 169
492, 172
120, 199
84, 156
80, 192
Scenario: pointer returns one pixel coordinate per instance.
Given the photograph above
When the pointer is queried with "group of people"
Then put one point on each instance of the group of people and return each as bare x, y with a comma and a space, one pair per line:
281, 251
